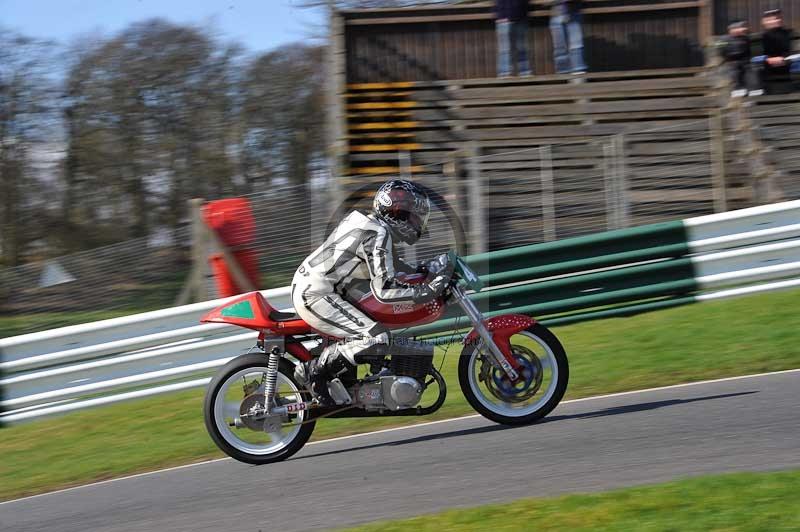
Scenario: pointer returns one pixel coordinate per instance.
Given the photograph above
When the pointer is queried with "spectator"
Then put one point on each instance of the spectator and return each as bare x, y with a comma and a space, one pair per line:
511, 19
565, 25
777, 44
736, 52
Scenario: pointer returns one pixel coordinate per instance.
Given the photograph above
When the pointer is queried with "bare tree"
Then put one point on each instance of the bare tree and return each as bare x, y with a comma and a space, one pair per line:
26, 106
283, 114
145, 120
150, 118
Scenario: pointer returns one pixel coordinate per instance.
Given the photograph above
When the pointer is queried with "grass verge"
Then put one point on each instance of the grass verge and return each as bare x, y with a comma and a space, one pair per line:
745, 501
704, 341
16, 325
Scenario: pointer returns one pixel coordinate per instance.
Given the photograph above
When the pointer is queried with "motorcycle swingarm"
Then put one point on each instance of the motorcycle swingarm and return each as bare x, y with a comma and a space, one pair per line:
355, 411
316, 412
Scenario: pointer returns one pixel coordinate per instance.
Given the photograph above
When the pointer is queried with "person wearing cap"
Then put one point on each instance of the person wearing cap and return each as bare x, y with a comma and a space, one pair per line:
777, 47
736, 53
511, 25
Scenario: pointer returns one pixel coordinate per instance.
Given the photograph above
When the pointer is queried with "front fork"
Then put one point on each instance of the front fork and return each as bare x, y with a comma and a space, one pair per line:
497, 357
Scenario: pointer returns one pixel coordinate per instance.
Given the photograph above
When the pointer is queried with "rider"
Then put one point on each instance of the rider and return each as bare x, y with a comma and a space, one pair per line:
360, 251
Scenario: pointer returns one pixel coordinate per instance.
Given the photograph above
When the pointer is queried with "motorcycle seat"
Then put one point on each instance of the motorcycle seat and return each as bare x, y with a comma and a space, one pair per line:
276, 315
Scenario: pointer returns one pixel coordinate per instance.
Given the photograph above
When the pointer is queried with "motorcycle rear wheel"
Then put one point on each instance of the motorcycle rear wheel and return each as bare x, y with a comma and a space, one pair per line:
223, 403
489, 392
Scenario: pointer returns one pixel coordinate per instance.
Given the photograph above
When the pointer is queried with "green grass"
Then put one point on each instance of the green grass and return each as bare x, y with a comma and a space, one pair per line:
23, 324
709, 340
132, 300
747, 501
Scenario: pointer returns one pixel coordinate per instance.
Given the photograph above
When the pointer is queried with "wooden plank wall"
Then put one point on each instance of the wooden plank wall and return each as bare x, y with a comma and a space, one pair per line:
751, 10
778, 123
653, 128
459, 42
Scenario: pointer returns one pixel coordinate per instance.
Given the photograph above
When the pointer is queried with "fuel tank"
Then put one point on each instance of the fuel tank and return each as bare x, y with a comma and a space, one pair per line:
400, 315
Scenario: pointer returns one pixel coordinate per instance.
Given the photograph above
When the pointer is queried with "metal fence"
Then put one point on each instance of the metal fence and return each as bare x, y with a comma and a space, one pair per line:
131, 276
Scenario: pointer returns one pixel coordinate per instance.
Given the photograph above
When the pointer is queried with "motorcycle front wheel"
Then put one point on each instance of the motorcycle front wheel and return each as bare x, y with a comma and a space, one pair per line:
544, 373
237, 390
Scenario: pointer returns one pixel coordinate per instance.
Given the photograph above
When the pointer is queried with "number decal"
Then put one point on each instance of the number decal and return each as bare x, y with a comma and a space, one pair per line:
295, 407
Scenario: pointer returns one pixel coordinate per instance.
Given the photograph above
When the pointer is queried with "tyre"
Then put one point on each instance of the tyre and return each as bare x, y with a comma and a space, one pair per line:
544, 376
235, 389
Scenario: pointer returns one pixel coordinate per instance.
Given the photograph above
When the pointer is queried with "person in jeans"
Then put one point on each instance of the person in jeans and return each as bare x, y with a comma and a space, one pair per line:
736, 52
511, 20
565, 26
777, 44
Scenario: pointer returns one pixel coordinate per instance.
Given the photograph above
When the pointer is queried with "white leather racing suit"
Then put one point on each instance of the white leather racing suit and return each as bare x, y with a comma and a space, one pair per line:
359, 254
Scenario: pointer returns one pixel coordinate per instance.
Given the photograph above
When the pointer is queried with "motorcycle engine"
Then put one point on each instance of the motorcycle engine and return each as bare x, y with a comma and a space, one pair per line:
391, 392
402, 387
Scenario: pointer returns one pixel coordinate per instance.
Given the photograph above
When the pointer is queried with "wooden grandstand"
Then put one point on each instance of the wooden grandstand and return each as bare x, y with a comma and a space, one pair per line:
550, 151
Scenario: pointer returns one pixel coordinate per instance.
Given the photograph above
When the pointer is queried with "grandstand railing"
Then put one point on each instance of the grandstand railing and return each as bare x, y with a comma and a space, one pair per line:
608, 274
457, 40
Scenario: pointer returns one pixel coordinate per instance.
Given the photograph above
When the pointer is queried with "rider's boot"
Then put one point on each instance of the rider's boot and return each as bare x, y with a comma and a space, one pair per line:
320, 374
316, 374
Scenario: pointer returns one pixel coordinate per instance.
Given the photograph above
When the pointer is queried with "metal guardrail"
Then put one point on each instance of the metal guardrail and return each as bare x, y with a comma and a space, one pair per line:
624, 272
66, 369
615, 273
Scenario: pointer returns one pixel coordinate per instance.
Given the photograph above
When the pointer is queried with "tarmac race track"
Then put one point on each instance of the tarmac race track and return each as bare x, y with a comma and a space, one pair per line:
745, 424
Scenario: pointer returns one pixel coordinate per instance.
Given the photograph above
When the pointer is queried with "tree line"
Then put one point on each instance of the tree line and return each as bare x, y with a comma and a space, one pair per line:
107, 139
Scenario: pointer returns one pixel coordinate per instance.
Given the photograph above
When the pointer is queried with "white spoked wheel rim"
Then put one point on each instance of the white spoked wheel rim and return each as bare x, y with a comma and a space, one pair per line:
549, 365
226, 408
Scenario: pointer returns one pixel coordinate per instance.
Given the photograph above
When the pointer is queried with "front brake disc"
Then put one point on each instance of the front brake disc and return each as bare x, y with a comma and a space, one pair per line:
513, 394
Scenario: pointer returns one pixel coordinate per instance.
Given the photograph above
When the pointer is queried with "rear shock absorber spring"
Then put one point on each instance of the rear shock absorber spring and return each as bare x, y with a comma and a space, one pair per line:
271, 378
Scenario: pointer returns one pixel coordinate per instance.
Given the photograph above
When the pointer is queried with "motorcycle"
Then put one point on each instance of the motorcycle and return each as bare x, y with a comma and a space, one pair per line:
512, 370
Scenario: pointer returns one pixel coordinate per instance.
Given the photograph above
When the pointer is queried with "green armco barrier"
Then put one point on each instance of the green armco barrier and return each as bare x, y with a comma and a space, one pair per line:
619, 312
445, 337
584, 264
627, 295
573, 251
609, 298
642, 277
667, 276
632, 278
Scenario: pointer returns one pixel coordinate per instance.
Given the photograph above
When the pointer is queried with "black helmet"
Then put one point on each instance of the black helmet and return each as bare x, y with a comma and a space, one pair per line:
403, 206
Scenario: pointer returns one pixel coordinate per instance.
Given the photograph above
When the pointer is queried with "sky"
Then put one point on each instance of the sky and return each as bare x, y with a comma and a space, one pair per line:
260, 25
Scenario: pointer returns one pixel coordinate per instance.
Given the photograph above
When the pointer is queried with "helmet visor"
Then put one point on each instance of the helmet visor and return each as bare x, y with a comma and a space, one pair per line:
418, 220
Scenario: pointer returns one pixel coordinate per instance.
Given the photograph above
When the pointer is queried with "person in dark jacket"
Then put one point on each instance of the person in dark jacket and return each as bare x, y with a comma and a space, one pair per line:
565, 27
736, 52
776, 41
511, 23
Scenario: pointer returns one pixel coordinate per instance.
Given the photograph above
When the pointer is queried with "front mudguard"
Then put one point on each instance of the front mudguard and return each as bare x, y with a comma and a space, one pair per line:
502, 328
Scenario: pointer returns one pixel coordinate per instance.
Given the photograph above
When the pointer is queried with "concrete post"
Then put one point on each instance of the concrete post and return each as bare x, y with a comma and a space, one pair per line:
477, 212
548, 193
196, 288
621, 182
609, 168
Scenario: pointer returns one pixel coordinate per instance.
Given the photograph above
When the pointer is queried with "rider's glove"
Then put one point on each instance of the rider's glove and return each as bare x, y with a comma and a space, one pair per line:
438, 284
439, 271
439, 264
